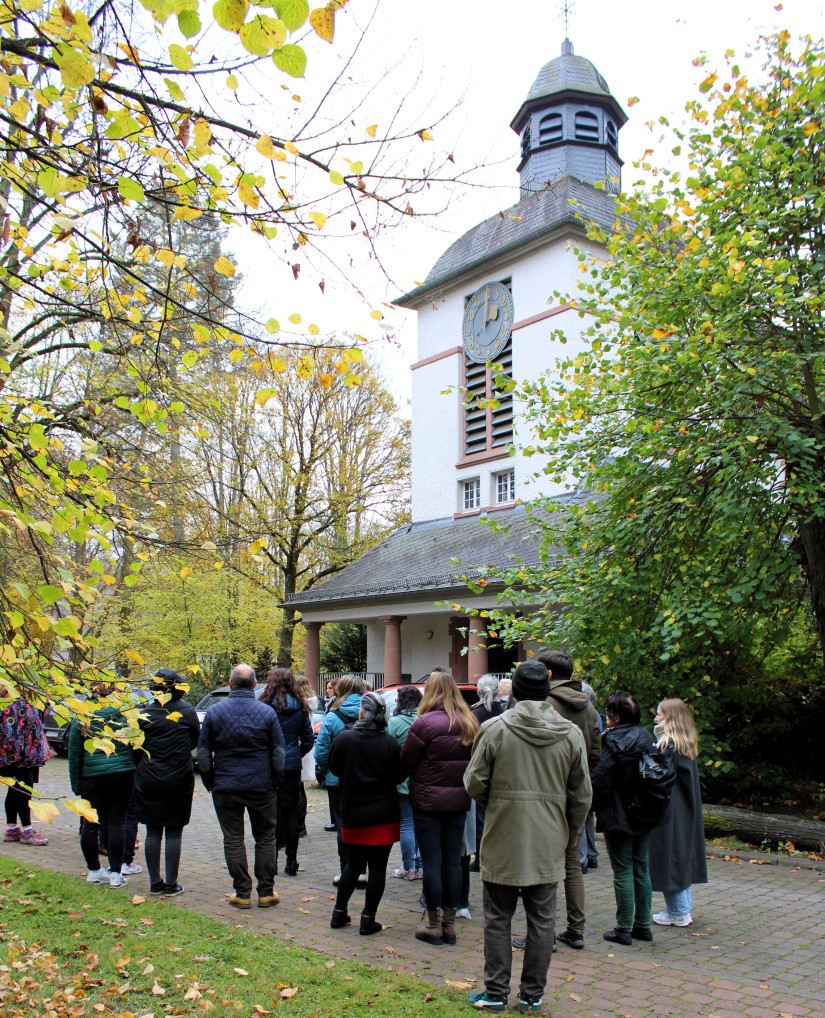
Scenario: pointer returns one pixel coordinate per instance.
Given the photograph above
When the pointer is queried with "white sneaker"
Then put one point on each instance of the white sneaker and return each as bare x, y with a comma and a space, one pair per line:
100, 876
666, 919
463, 913
117, 880
131, 867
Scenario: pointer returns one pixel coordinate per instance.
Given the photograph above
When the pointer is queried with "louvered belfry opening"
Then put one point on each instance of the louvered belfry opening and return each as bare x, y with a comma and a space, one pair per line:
487, 428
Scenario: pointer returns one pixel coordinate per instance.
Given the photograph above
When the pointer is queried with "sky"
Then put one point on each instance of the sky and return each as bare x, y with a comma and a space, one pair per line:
475, 62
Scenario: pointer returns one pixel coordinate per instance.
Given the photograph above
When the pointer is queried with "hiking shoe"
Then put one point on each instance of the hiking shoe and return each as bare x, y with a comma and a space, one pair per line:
572, 939
238, 902
666, 919
642, 933
12, 834
528, 1005
463, 913
617, 936
268, 900
128, 868
100, 876
31, 837
485, 1001
171, 890
117, 880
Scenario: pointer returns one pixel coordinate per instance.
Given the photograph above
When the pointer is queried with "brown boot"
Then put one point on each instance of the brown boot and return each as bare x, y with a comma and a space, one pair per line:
430, 932
448, 925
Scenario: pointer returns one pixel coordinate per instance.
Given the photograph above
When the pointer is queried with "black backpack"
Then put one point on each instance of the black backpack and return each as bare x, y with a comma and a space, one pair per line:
649, 794
321, 772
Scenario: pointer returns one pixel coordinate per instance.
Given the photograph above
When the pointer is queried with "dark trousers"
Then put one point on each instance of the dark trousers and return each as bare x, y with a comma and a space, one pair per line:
440, 838
130, 828
110, 795
18, 802
500, 902
289, 817
262, 808
174, 842
334, 793
372, 858
631, 878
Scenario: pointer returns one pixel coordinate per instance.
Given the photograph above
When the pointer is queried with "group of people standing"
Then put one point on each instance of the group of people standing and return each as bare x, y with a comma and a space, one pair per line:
516, 783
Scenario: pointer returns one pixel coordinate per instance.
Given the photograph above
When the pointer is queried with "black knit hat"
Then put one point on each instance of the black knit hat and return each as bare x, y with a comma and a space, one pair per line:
531, 681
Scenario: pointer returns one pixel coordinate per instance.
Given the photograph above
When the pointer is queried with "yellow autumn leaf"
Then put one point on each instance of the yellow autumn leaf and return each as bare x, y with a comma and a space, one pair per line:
291, 147
186, 213
203, 134
82, 808
305, 367
810, 128
326, 380
224, 267
290, 991
186, 571
262, 34
425, 135
44, 811
322, 20
377, 315
371, 130
264, 147
295, 318
175, 715
76, 69
248, 195
318, 218
165, 256
354, 355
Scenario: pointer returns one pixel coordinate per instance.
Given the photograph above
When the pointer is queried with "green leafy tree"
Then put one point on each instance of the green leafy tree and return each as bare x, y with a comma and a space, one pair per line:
344, 647
694, 410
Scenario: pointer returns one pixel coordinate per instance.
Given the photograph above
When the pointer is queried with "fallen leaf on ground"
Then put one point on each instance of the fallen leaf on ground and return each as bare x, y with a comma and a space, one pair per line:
241, 972
202, 957
137, 899
574, 996
158, 990
260, 1010
329, 964
172, 949
147, 921
304, 911
150, 968
348, 978
458, 985
289, 991
569, 978
314, 897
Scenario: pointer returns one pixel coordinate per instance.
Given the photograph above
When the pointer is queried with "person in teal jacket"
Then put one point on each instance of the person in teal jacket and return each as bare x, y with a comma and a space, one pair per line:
343, 713
106, 782
406, 711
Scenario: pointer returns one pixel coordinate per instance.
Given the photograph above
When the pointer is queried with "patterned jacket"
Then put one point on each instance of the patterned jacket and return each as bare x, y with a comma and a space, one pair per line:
22, 743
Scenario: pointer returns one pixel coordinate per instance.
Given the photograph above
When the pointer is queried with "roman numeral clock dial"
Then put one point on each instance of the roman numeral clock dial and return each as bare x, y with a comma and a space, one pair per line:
488, 318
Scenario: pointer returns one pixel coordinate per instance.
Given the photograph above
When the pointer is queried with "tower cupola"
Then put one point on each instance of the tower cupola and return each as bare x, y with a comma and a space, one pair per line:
569, 126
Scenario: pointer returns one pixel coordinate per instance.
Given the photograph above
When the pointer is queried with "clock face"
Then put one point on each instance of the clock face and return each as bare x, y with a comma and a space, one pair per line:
488, 318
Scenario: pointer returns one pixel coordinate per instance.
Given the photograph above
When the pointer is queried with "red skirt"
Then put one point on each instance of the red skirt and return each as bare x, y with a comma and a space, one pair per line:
375, 834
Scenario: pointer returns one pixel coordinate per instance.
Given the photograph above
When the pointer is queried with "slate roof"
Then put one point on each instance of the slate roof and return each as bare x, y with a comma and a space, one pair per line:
414, 563
569, 202
568, 73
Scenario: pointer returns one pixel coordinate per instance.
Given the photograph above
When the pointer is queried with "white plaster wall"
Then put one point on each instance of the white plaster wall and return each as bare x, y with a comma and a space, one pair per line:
437, 418
435, 438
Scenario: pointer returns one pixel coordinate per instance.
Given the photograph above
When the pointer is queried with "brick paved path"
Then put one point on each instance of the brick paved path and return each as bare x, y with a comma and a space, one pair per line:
756, 948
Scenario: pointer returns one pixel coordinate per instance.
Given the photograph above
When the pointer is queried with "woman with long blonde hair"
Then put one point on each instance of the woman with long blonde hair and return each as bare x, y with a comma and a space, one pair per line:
436, 753
677, 847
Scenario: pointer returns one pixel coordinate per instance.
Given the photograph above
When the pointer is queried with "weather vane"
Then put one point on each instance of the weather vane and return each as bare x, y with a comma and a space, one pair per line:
565, 10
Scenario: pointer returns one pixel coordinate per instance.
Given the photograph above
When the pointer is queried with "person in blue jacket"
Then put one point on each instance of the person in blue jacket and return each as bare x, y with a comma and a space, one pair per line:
284, 695
343, 713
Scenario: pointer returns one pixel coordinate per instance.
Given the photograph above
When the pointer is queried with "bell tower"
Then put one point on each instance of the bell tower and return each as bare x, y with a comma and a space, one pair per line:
569, 126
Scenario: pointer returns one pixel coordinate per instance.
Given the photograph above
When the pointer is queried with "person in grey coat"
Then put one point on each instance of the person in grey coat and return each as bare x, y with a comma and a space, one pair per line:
677, 848
241, 758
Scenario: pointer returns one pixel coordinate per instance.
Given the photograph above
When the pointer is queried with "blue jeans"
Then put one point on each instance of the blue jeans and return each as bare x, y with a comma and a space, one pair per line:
587, 841
440, 841
410, 857
679, 903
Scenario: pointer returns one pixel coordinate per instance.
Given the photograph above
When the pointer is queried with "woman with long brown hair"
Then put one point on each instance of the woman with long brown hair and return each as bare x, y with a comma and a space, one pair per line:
436, 753
284, 695
677, 847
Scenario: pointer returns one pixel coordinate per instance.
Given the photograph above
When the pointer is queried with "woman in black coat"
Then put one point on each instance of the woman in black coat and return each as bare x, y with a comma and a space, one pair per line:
367, 762
284, 695
677, 848
165, 776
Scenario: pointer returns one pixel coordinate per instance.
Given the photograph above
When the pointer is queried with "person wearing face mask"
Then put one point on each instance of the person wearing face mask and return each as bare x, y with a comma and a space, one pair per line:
677, 847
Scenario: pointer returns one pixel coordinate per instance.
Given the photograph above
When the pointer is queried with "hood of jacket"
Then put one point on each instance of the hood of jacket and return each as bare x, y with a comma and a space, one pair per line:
629, 739
565, 692
534, 722
351, 706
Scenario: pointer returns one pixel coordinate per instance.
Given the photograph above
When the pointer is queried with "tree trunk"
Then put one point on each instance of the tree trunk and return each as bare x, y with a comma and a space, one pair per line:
288, 625
812, 536
756, 828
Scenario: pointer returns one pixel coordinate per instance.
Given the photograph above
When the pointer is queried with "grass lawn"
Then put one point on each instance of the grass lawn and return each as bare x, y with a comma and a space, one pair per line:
68, 948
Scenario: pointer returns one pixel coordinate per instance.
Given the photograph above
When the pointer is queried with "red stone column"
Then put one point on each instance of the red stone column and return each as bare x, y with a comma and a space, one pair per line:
312, 653
392, 647
476, 648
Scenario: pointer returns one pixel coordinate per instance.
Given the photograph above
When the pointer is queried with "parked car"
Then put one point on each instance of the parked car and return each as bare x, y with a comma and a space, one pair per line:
390, 693
223, 691
56, 729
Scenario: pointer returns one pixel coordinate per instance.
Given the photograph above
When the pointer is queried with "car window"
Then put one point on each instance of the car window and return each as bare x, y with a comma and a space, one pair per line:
211, 699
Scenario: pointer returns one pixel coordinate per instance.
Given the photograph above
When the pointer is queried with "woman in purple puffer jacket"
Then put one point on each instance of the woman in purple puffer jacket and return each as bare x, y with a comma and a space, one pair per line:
436, 753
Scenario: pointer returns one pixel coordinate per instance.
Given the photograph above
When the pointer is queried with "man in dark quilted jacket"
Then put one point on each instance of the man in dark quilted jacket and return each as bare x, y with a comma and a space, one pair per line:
241, 757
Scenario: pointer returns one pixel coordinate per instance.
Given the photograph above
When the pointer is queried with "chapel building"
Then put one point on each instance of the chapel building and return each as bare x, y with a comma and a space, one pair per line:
486, 301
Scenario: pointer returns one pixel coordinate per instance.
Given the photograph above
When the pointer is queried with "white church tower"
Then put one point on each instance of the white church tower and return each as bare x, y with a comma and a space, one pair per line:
485, 302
